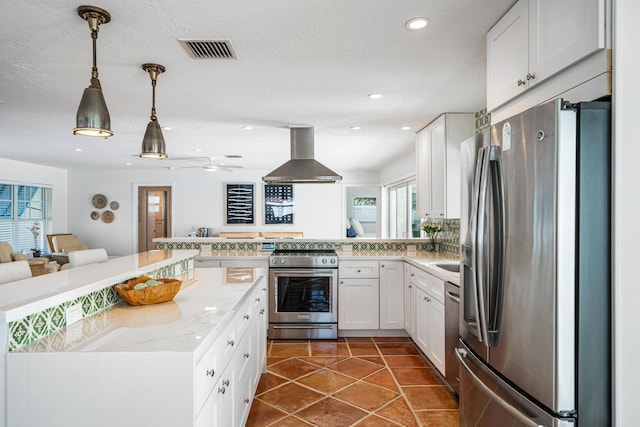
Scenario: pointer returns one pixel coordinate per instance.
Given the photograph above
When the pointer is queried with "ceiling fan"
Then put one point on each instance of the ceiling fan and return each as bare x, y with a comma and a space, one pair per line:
210, 164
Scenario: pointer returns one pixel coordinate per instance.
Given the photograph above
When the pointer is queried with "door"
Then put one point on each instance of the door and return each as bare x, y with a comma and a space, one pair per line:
539, 272
154, 215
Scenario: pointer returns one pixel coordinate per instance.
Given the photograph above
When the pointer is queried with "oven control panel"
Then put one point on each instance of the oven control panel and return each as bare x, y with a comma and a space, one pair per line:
303, 259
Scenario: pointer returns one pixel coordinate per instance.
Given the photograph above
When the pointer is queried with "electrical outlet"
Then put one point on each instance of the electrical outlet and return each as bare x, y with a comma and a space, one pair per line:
73, 313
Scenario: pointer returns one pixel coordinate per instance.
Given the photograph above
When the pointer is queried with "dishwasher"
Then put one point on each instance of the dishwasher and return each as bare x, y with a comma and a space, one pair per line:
451, 319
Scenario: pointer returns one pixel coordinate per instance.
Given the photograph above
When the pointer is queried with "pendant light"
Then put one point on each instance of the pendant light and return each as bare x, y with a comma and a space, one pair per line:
92, 118
153, 146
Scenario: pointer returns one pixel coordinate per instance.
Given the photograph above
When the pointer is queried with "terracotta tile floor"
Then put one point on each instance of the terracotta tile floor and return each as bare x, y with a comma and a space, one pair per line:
351, 382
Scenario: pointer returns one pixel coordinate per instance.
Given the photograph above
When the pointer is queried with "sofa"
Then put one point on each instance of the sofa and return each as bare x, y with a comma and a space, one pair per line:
8, 255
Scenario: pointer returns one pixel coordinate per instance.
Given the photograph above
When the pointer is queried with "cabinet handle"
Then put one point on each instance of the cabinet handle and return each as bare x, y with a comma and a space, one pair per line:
427, 299
210, 372
231, 343
382, 266
441, 214
246, 355
530, 76
257, 299
262, 311
359, 271
342, 282
412, 274
521, 82
246, 400
221, 390
410, 286
246, 317
225, 382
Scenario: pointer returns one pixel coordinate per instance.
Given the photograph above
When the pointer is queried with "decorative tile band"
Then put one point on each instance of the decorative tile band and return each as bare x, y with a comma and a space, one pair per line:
447, 242
38, 325
483, 120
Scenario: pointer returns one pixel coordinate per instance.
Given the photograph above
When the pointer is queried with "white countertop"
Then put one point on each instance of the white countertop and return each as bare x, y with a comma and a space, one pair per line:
197, 314
23, 297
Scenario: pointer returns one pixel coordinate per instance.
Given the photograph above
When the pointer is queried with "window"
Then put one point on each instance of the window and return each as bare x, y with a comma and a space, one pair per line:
364, 209
22, 207
403, 220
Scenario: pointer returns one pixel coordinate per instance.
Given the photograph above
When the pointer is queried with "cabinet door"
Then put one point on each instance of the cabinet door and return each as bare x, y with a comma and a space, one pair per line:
391, 295
438, 181
358, 306
508, 56
562, 33
437, 335
409, 301
423, 172
423, 320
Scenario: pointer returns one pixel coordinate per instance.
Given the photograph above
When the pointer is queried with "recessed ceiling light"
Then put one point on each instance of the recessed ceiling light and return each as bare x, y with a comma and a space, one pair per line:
197, 150
355, 128
417, 23
128, 164
247, 127
167, 128
406, 128
172, 168
77, 149
374, 96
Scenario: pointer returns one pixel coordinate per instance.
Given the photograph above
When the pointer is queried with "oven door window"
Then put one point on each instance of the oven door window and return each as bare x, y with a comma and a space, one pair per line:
304, 294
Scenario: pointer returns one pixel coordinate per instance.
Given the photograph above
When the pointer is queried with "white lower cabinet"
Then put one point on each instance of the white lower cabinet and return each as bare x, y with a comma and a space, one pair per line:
358, 306
425, 322
409, 301
391, 295
358, 295
244, 347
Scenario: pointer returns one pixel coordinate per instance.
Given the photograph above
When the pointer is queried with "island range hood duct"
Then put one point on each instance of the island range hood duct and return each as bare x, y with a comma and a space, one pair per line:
302, 168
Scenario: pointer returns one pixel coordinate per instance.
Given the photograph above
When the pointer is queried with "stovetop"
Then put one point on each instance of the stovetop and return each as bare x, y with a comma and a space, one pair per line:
315, 258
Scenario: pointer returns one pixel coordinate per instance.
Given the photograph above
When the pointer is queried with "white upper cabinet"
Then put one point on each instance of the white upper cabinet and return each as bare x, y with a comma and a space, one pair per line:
438, 165
537, 39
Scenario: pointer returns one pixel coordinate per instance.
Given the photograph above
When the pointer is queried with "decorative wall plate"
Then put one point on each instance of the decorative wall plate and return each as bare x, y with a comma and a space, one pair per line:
95, 215
107, 217
114, 205
99, 201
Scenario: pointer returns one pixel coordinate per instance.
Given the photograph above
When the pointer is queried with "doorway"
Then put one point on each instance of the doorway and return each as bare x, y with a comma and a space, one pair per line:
154, 215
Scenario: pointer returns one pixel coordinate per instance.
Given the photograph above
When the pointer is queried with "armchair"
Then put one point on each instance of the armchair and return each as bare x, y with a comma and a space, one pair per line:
62, 244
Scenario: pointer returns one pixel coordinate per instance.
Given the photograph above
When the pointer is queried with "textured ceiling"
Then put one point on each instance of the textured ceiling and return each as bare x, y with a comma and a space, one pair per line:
300, 62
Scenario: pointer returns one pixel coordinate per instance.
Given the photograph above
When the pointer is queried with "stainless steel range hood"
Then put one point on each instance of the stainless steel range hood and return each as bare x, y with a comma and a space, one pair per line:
302, 168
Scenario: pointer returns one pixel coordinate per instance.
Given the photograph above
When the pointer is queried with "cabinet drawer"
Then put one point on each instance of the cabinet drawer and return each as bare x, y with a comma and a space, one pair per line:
206, 375
428, 283
358, 269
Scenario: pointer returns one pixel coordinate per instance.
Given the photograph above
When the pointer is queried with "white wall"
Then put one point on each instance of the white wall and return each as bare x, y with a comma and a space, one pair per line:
626, 103
401, 168
198, 202
15, 172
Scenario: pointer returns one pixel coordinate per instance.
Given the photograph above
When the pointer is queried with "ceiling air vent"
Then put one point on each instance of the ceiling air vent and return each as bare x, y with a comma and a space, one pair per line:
209, 49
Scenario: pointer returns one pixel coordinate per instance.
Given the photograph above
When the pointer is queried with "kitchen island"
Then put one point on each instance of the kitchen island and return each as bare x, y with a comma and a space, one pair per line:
175, 363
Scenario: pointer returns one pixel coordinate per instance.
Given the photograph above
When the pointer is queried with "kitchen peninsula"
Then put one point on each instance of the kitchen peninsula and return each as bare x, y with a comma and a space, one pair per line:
169, 364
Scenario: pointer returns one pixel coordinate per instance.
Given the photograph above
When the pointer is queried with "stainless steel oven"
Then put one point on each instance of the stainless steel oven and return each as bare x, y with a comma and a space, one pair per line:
303, 290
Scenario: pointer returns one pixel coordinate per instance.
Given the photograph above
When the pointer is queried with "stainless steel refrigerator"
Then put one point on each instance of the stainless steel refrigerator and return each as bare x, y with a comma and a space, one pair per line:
535, 313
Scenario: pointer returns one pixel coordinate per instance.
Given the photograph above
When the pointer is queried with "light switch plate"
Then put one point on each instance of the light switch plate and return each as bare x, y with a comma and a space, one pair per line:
73, 314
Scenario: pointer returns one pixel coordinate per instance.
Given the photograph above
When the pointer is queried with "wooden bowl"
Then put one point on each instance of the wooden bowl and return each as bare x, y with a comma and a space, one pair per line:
150, 294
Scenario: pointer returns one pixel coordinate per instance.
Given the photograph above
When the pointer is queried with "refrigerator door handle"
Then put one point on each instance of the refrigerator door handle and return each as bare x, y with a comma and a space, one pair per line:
497, 266
479, 251
461, 355
475, 323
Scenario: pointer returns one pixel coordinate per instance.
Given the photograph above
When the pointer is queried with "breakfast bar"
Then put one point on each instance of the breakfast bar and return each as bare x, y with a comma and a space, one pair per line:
115, 365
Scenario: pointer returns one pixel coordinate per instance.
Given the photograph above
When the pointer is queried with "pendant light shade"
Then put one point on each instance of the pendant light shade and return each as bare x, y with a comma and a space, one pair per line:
92, 118
153, 145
